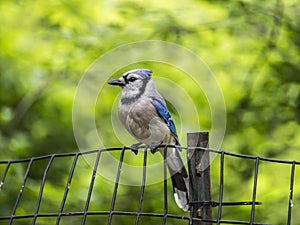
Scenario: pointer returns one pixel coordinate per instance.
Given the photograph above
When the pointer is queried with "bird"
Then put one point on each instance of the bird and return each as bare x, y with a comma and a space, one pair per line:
144, 113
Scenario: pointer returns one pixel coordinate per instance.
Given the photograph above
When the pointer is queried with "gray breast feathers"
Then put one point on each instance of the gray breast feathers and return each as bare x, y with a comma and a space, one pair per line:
141, 120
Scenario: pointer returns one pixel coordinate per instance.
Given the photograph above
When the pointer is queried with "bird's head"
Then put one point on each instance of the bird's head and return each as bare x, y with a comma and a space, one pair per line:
133, 82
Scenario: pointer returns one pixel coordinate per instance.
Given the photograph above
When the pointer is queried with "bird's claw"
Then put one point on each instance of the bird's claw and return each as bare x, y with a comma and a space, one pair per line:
154, 147
135, 147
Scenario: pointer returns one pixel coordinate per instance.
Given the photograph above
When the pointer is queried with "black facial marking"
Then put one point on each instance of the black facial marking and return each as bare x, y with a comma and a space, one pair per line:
131, 79
125, 78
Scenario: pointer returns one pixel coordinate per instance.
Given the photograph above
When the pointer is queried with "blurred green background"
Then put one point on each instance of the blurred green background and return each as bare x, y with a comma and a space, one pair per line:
252, 47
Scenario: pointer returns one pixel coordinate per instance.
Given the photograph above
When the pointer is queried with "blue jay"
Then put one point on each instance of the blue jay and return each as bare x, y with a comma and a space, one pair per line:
144, 113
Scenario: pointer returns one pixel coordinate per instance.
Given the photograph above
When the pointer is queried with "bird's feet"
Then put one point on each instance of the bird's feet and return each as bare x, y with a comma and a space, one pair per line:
135, 147
154, 147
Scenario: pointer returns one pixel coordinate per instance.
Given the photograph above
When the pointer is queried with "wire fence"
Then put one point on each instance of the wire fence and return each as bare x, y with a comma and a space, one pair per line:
14, 196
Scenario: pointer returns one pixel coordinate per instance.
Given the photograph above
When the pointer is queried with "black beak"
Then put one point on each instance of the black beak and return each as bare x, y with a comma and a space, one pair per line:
116, 83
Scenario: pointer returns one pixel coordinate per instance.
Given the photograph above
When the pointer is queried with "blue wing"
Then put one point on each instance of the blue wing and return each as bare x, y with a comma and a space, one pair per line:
163, 113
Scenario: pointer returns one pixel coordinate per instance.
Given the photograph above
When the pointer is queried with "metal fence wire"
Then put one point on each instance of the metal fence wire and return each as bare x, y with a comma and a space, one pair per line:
81, 196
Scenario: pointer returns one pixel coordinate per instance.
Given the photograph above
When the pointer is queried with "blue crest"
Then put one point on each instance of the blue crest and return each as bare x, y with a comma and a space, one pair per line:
143, 73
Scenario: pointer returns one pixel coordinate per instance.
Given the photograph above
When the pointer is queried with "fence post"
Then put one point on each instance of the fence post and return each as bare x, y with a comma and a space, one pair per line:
199, 173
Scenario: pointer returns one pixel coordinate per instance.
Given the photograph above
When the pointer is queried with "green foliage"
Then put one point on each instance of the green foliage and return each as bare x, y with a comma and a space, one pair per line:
252, 47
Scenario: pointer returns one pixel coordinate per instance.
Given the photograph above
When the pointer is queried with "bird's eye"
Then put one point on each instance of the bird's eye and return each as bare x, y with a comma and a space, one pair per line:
131, 79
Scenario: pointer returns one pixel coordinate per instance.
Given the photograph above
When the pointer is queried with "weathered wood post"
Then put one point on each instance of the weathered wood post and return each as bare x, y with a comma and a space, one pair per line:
199, 172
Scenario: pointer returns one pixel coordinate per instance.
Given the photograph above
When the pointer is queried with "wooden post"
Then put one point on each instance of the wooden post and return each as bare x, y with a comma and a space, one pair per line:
199, 172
